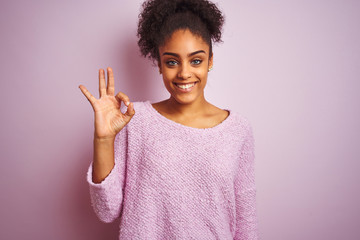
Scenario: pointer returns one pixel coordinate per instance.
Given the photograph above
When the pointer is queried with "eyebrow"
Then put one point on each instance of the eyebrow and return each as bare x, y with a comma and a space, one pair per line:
189, 55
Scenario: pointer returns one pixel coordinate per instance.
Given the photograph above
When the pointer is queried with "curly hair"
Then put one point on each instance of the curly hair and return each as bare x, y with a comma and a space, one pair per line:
160, 18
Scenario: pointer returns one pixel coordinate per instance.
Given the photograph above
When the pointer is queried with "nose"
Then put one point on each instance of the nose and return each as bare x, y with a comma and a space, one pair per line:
184, 72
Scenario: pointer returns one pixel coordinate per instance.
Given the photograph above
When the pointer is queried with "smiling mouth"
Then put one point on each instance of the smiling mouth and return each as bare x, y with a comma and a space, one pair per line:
185, 86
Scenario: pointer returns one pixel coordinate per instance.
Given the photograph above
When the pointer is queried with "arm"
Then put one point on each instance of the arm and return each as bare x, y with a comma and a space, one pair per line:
105, 175
245, 191
103, 161
107, 196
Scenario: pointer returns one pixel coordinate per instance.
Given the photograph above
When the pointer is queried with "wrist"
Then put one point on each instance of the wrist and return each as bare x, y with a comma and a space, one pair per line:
104, 139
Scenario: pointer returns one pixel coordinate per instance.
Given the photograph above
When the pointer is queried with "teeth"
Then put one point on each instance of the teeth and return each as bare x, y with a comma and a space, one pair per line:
185, 86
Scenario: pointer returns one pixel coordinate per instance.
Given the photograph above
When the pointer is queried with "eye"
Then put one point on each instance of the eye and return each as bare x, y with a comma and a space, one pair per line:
196, 61
171, 63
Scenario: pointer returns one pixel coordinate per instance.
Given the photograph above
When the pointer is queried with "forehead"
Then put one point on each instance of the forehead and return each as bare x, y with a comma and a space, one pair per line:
184, 42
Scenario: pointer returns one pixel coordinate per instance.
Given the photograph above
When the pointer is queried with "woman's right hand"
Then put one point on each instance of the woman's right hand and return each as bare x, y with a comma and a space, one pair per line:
109, 120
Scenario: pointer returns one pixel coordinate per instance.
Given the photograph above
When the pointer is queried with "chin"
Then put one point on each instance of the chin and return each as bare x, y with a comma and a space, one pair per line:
185, 100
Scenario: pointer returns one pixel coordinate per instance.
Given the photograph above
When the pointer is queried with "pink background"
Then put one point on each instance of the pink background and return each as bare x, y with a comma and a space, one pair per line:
291, 67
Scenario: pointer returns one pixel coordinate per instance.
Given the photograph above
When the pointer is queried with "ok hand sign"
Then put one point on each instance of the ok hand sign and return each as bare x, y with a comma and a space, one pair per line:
109, 120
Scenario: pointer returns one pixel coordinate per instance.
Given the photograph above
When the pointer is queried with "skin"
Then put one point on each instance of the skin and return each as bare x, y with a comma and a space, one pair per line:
184, 59
109, 120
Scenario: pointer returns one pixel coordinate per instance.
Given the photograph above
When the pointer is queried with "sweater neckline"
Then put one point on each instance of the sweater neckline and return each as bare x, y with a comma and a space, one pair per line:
170, 122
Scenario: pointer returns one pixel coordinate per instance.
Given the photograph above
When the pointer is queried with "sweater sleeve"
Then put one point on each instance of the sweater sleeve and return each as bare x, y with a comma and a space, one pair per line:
107, 196
245, 192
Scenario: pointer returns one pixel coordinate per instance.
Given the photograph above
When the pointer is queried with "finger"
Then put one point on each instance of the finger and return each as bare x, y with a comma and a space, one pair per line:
87, 94
102, 85
130, 110
110, 83
123, 97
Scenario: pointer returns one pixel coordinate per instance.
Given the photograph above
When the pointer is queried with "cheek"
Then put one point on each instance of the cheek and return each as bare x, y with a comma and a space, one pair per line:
169, 75
202, 74
167, 81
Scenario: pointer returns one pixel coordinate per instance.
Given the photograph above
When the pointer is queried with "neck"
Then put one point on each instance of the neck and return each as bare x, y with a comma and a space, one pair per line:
190, 109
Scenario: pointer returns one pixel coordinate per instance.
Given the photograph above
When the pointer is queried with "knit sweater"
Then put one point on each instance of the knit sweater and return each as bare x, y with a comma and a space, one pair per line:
172, 181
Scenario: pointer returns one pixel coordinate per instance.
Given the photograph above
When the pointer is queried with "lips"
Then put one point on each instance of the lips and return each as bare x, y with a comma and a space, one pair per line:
185, 87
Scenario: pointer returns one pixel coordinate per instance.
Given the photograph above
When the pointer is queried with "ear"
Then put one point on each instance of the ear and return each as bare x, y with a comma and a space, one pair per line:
211, 62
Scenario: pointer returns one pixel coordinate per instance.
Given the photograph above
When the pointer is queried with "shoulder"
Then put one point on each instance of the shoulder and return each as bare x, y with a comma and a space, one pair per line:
139, 107
240, 120
240, 123
141, 113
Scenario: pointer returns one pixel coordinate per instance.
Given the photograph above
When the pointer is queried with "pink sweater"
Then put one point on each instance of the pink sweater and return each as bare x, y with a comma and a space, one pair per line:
171, 181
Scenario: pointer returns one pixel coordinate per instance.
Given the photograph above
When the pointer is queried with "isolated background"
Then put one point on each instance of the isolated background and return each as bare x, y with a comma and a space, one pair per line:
291, 67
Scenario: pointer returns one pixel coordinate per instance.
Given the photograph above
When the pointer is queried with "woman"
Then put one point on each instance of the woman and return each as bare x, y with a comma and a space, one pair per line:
181, 168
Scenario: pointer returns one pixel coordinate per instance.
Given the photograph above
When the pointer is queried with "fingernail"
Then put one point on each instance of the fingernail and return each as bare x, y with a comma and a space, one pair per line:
127, 103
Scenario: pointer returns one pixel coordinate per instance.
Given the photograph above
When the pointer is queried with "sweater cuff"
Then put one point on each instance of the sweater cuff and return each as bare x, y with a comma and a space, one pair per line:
108, 181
